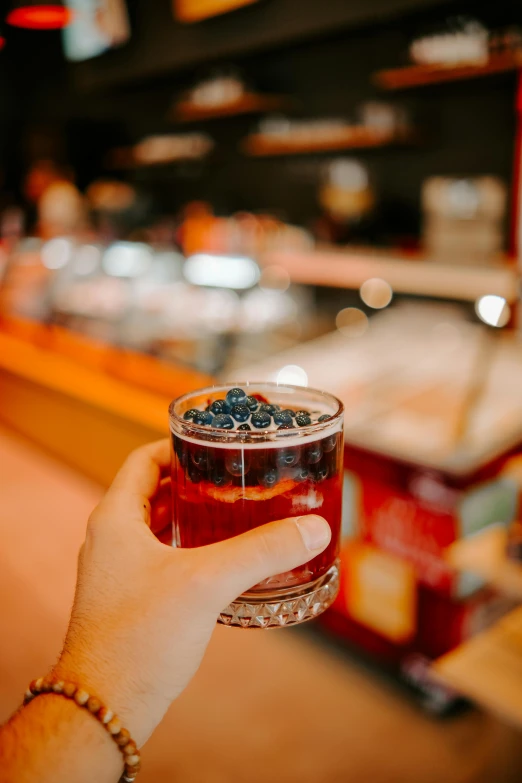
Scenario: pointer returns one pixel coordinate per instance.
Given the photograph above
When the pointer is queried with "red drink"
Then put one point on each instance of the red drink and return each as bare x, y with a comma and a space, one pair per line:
227, 482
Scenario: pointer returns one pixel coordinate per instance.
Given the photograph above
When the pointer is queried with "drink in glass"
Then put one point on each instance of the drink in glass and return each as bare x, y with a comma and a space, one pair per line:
250, 454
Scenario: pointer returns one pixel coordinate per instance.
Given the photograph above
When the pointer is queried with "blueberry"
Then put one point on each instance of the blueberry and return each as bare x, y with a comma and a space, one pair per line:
260, 420
303, 420
223, 422
301, 474
286, 427
219, 477
252, 404
203, 417
329, 443
313, 453
290, 412
320, 473
237, 462
269, 478
287, 458
194, 474
302, 413
189, 415
236, 396
324, 417
240, 412
282, 417
219, 406
269, 408
245, 427
199, 457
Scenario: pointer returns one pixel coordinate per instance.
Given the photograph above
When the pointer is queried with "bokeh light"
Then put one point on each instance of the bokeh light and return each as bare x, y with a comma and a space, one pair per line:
493, 310
274, 278
376, 293
292, 374
352, 322
87, 259
127, 259
43, 16
56, 253
221, 271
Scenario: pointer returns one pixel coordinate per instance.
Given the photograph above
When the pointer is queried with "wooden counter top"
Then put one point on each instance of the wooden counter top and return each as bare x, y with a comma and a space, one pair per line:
85, 402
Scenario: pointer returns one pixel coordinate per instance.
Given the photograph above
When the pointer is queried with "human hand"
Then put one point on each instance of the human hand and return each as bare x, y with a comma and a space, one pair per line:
144, 612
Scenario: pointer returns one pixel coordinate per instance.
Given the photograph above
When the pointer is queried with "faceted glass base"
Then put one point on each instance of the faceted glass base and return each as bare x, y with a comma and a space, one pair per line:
285, 607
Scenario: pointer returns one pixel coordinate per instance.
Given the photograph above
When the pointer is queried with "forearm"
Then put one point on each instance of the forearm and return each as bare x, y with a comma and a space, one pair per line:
52, 740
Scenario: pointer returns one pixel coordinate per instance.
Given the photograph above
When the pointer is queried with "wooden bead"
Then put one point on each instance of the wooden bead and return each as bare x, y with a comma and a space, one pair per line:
93, 705
81, 697
130, 749
69, 689
105, 715
58, 686
114, 725
46, 686
122, 738
28, 696
133, 764
36, 686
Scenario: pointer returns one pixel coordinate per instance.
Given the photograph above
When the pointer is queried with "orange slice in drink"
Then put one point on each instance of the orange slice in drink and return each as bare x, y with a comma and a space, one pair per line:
233, 494
198, 493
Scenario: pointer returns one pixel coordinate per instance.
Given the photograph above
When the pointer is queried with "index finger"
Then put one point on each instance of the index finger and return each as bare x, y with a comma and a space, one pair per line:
141, 472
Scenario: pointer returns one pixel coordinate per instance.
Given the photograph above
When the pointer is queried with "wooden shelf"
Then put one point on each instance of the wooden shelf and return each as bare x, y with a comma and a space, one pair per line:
349, 268
352, 138
124, 159
249, 103
421, 75
484, 554
488, 668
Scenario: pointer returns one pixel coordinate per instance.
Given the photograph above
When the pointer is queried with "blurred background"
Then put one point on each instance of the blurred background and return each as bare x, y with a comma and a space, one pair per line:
325, 194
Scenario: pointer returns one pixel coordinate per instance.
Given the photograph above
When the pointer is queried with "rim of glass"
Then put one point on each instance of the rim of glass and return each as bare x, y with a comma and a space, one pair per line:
192, 430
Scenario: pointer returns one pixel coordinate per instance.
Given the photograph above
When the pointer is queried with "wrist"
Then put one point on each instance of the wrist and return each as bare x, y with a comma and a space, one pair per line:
110, 687
79, 749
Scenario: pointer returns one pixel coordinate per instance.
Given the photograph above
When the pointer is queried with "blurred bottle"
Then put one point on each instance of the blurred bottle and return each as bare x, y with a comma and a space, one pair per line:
464, 219
56, 206
61, 210
348, 201
111, 204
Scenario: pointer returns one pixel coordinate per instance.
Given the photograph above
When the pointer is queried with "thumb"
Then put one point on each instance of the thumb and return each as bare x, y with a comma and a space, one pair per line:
240, 563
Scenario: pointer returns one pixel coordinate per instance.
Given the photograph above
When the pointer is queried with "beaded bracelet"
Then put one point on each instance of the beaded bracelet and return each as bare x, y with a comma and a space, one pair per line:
110, 721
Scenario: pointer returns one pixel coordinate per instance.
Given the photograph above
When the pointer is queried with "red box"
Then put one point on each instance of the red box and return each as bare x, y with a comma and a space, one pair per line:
400, 601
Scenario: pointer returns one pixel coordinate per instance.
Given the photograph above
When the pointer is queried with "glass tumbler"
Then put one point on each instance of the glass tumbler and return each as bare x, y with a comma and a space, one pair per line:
228, 481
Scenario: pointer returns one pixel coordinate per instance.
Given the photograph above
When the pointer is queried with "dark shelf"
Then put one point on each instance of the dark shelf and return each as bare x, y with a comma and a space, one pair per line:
259, 145
421, 75
249, 103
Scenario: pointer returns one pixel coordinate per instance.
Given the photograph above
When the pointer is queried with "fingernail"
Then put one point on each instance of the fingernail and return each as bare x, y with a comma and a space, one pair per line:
315, 531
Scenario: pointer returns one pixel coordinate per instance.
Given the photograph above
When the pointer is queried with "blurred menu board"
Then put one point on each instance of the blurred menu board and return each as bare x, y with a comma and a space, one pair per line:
196, 10
98, 25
